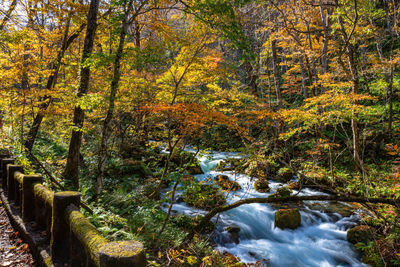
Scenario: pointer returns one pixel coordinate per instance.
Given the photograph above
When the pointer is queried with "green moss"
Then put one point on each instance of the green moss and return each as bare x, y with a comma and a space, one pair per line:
284, 175
360, 233
48, 261
85, 232
226, 184
67, 193
122, 248
19, 176
281, 192
203, 196
43, 193
262, 186
288, 218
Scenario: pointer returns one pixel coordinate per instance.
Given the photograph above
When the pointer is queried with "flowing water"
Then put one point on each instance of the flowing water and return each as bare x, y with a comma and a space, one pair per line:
320, 241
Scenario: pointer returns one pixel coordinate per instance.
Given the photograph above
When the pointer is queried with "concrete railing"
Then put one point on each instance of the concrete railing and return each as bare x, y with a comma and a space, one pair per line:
71, 238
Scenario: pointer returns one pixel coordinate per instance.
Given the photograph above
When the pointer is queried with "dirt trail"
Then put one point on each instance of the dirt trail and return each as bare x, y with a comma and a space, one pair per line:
13, 251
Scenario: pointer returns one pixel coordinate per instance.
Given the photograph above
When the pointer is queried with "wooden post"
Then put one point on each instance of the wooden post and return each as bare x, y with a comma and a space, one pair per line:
4, 163
122, 253
2, 156
60, 232
12, 185
27, 194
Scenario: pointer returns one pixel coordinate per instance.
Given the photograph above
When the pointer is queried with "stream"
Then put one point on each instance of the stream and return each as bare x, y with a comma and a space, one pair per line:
320, 241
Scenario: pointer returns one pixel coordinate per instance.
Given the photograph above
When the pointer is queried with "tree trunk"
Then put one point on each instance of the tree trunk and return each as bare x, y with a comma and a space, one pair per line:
326, 23
7, 16
276, 74
71, 171
111, 104
51, 82
303, 78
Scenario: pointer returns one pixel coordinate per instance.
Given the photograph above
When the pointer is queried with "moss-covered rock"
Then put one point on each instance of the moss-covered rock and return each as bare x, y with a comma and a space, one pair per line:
287, 218
262, 185
233, 234
229, 164
226, 184
284, 175
344, 210
203, 196
210, 226
135, 167
194, 169
182, 221
360, 233
282, 192
293, 186
260, 168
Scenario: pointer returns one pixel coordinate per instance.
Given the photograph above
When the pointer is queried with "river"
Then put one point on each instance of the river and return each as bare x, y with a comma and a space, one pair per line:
320, 241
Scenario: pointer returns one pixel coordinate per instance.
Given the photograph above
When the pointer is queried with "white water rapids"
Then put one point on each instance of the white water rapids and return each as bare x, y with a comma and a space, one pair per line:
320, 241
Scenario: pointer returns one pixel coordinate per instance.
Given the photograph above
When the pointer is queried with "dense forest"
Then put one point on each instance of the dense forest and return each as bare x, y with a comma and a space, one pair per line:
216, 132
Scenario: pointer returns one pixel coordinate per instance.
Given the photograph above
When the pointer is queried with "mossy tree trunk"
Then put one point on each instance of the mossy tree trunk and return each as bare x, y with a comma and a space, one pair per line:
106, 132
71, 171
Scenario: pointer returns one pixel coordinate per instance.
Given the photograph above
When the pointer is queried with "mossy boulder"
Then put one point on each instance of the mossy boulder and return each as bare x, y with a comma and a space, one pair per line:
316, 176
233, 234
260, 168
284, 175
360, 233
203, 196
281, 192
293, 186
287, 218
135, 167
186, 159
344, 210
262, 185
210, 226
226, 184
149, 189
182, 221
194, 169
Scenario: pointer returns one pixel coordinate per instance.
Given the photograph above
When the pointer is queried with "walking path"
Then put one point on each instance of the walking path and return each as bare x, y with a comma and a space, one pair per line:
13, 251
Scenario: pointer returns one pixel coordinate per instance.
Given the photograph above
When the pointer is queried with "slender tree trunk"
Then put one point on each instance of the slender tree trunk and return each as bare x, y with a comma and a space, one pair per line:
390, 100
276, 74
51, 82
7, 16
354, 125
111, 103
350, 53
71, 171
326, 23
303, 77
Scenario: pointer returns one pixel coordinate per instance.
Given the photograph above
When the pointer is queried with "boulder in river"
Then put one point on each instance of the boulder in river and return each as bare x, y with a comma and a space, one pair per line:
196, 169
224, 182
282, 192
233, 233
203, 196
262, 185
284, 175
293, 186
210, 226
345, 210
260, 168
287, 218
360, 233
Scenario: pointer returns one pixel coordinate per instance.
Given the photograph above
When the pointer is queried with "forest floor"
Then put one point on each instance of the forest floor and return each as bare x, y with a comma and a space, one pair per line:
13, 251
